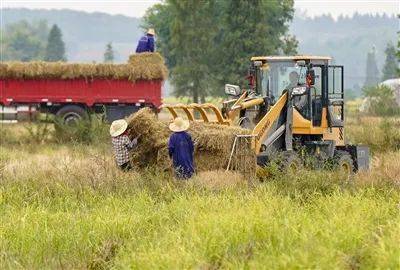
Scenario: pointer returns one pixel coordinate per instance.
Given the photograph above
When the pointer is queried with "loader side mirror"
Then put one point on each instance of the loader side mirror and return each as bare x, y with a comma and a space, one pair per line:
311, 77
232, 90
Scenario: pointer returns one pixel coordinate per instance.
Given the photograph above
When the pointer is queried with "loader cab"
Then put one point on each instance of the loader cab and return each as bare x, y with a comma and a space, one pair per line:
272, 78
323, 85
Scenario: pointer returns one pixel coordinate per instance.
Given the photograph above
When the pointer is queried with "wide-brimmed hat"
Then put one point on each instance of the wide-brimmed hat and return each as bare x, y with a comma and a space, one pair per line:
151, 31
118, 127
179, 125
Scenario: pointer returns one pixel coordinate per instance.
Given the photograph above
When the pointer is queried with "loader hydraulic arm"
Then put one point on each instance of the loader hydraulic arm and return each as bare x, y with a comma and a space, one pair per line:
261, 130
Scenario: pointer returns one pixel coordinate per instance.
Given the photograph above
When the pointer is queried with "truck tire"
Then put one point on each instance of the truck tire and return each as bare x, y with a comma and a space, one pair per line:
71, 114
343, 162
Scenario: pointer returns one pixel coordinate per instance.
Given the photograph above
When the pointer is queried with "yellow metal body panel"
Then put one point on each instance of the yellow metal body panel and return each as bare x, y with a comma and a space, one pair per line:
251, 103
234, 113
305, 127
260, 131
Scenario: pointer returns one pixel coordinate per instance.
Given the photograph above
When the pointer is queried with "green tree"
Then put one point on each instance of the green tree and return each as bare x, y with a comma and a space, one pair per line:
109, 53
191, 32
55, 50
391, 63
209, 43
23, 41
398, 51
372, 72
160, 17
252, 28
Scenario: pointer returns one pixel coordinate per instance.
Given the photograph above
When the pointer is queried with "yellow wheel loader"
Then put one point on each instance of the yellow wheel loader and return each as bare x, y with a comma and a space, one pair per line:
294, 108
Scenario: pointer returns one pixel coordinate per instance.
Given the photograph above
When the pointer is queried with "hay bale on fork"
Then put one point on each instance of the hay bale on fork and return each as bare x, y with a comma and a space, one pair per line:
213, 143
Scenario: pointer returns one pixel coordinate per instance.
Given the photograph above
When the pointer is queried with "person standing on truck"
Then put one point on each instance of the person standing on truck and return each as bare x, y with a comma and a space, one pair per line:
146, 42
121, 143
181, 148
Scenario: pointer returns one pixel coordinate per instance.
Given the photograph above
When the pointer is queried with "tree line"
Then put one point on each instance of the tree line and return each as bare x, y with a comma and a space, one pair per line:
23, 41
27, 42
209, 43
389, 70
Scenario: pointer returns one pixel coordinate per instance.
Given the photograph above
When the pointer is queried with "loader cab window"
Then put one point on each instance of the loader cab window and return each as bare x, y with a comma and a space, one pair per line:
316, 96
264, 81
282, 76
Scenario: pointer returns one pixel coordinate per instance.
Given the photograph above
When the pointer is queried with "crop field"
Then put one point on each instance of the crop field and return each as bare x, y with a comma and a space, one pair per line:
64, 205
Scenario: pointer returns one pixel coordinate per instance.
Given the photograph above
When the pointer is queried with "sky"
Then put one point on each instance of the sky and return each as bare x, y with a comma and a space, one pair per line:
136, 8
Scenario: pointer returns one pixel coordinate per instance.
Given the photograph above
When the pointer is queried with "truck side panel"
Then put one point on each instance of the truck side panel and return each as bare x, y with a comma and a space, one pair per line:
88, 92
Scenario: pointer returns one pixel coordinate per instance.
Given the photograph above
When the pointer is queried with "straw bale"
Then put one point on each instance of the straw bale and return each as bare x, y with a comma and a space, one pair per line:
146, 66
213, 142
153, 137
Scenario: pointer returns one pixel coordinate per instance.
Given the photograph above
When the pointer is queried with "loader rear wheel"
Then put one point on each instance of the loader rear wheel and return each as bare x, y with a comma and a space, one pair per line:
343, 162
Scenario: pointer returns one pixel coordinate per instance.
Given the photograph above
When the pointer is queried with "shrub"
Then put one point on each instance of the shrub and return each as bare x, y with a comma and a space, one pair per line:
382, 101
379, 134
93, 131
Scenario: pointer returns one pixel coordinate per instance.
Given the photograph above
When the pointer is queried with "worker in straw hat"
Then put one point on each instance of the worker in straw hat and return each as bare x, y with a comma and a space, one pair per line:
146, 42
121, 143
180, 147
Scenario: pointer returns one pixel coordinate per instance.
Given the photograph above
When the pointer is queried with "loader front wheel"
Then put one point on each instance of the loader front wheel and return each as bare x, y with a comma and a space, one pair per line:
290, 162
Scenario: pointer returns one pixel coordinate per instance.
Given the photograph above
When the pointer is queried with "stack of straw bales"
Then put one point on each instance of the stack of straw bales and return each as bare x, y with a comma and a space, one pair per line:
213, 143
144, 66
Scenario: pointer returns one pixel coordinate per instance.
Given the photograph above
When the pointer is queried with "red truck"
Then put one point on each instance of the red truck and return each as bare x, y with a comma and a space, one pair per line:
74, 99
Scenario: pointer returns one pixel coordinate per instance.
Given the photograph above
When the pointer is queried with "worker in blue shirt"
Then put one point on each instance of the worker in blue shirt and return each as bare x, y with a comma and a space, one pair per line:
180, 147
146, 43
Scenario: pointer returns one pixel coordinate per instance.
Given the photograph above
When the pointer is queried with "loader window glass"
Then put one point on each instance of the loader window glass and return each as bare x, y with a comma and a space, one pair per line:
264, 82
335, 81
284, 75
318, 82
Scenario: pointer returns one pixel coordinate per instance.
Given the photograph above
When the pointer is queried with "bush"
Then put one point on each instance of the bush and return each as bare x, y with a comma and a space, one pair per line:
379, 134
382, 101
93, 131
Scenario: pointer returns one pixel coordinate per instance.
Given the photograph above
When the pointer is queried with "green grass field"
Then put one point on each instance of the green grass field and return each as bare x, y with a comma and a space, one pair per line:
66, 206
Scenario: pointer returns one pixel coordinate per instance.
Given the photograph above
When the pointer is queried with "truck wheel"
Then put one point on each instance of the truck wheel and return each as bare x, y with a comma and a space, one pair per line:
343, 162
71, 114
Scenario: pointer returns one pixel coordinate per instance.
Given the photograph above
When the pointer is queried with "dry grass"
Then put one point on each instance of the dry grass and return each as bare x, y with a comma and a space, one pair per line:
69, 207
219, 180
384, 167
380, 134
146, 66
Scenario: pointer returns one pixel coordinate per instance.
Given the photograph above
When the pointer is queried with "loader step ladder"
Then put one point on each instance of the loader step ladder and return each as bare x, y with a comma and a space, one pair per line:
243, 158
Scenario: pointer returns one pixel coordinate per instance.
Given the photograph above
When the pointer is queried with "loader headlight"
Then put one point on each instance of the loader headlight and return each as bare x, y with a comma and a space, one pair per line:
233, 90
298, 91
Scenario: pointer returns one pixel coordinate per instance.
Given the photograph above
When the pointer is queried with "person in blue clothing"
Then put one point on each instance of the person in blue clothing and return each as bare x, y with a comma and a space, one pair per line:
146, 43
180, 147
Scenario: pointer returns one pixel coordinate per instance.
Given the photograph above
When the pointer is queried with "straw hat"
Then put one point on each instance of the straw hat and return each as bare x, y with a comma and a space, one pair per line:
118, 127
179, 125
151, 31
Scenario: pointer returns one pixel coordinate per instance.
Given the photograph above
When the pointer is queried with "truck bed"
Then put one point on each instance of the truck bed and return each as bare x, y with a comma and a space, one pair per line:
87, 92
